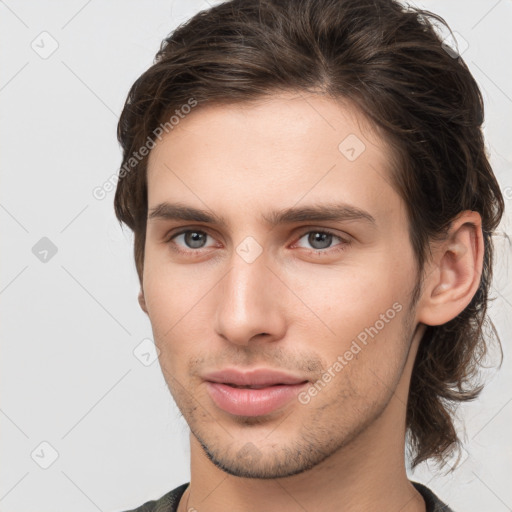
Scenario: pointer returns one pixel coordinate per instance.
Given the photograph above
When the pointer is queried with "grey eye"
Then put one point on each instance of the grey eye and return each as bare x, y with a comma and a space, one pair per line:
319, 239
195, 239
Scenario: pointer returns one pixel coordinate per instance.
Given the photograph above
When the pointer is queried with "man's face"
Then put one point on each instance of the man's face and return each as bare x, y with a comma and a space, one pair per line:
322, 299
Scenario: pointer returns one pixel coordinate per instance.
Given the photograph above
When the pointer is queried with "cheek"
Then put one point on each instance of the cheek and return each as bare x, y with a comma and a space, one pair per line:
172, 300
346, 298
358, 312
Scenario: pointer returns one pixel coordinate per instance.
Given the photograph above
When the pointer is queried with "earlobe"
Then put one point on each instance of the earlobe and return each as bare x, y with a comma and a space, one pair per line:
142, 301
455, 271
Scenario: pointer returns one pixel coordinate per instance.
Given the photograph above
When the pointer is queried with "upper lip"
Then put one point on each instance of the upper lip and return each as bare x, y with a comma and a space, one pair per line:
256, 377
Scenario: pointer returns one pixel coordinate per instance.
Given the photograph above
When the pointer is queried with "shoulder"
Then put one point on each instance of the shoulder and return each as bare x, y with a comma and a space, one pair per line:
433, 503
167, 503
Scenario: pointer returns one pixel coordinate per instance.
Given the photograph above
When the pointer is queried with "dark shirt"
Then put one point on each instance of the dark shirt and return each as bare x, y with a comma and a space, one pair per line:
169, 502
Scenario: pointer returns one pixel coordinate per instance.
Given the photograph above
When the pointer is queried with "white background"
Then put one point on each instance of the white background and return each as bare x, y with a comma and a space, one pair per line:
70, 325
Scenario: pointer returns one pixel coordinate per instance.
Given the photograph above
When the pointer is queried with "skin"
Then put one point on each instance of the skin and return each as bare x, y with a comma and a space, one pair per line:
297, 307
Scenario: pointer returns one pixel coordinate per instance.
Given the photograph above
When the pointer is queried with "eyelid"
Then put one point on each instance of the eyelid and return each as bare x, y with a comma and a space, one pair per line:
345, 238
172, 233
183, 250
331, 231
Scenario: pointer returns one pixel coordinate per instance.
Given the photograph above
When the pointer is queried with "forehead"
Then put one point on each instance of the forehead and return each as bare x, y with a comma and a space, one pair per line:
277, 150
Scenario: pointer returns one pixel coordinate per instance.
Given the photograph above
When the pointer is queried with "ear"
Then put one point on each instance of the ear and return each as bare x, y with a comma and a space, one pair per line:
142, 301
452, 277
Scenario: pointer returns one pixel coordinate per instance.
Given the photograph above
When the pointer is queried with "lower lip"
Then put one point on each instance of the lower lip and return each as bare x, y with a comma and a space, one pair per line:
252, 402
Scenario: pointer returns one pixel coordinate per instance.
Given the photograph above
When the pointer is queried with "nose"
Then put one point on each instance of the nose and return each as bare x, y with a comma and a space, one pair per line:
248, 307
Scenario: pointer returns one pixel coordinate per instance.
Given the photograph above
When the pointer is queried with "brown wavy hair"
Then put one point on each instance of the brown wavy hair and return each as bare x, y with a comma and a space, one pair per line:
389, 60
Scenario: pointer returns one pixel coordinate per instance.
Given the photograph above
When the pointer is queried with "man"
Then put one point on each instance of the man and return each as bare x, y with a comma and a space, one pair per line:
313, 209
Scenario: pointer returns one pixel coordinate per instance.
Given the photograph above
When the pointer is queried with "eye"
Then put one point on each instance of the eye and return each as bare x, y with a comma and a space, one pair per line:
320, 240
190, 239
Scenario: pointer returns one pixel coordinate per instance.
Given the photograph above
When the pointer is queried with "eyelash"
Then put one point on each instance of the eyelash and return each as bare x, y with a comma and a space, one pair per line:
329, 250
344, 242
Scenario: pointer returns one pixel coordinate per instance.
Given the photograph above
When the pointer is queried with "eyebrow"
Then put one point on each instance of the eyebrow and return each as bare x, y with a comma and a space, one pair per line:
323, 212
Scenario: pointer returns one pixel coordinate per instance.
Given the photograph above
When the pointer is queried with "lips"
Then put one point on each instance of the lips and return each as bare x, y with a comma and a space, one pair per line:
261, 377
252, 393
251, 387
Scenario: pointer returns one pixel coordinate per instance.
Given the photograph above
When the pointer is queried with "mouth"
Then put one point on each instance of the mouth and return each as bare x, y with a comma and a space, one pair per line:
253, 401
252, 393
255, 378
254, 386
